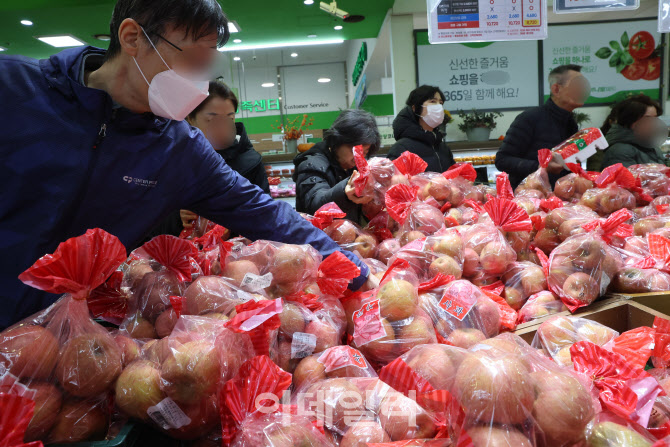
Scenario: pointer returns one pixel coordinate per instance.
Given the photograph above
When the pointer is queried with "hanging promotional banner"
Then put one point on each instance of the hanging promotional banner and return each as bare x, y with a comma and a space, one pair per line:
452, 21
570, 6
618, 58
481, 75
664, 16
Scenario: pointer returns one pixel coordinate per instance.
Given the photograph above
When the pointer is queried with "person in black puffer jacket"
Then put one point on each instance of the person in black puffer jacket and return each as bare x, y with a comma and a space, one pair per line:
416, 129
325, 173
544, 127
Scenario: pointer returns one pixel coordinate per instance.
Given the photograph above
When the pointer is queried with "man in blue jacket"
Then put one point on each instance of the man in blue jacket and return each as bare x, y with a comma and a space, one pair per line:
97, 139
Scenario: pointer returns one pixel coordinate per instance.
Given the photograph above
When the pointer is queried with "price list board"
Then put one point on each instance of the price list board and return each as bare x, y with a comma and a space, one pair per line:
453, 21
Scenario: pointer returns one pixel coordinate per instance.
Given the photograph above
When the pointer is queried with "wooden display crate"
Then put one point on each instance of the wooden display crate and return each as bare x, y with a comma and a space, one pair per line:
618, 313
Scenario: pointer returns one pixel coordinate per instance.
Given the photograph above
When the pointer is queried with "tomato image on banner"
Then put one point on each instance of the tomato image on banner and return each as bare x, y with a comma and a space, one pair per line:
635, 58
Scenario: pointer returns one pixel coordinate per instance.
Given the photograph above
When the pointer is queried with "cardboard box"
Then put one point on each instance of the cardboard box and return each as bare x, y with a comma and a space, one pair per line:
659, 301
620, 314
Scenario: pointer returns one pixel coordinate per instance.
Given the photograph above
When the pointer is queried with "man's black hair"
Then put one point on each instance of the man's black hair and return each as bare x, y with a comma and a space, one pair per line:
556, 76
197, 18
422, 94
217, 89
353, 127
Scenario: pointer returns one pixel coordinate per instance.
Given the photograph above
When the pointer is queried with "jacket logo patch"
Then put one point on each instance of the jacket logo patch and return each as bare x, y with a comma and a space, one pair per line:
140, 181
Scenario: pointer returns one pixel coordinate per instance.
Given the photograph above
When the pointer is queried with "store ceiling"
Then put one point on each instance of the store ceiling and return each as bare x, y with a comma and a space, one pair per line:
261, 21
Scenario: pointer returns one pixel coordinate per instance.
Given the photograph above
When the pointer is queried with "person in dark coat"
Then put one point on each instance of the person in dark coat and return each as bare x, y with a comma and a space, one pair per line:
416, 129
215, 117
93, 138
544, 127
635, 133
325, 173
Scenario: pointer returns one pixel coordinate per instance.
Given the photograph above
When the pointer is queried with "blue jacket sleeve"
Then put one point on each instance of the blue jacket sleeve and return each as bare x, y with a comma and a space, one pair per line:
225, 197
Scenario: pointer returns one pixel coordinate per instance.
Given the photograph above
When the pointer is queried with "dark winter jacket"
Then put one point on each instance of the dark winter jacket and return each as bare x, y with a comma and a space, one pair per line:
319, 179
243, 158
627, 149
71, 161
542, 127
410, 136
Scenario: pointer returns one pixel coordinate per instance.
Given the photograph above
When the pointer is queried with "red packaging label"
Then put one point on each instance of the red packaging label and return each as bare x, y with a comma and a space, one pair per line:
459, 300
368, 324
340, 357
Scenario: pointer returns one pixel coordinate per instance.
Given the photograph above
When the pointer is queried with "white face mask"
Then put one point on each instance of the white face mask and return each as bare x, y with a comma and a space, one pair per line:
171, 95
434, 115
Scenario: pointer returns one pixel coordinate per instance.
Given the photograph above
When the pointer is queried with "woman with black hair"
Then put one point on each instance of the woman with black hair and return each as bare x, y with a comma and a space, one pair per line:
416, 129
326, 172
635, 133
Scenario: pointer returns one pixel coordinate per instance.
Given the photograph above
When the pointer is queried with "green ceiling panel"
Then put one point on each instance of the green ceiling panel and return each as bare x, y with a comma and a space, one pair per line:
262, 21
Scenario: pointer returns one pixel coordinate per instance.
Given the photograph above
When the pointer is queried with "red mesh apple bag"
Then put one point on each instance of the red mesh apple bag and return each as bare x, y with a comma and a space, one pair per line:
310, 324
462, 314
375, 176
487, 252
612, 191
654, 178
571, 187
251, 415
582, 267
154, 272
440, 253
512, 395
558, 334
624, 390
413, 215
352, 237
537, 184
646, 265
60, 358
387, 321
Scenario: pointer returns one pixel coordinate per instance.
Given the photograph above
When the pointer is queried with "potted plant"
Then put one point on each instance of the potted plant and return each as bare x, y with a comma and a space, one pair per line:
293, 130
478, 125
581, 118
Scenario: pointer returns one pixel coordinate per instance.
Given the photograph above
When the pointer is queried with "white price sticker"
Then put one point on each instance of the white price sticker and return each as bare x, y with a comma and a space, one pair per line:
256, 282
168, 415
303, 345
245, 296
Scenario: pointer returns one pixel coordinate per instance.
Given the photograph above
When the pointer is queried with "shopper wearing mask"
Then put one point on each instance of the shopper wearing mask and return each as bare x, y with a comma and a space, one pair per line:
636, 135
416, 129
325, 173
92, 138
215, 117
544, 127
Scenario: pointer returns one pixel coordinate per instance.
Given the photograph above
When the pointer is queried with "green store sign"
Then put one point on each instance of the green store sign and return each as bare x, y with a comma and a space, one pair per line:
259, 106
360, 64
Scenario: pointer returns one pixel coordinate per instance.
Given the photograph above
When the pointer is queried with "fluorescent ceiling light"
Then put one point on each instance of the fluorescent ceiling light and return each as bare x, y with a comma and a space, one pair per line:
294, 54
61, 41
237, 40
26, 23
281, 45
324, 80
236, 58
309, 2
311, 36
338, 27
268, 84
3, 49
233, 27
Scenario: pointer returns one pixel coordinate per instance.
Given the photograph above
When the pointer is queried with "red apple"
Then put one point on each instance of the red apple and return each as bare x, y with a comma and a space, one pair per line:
362, 433
139, 328
138, 388
166, 322
445, 265
470, 262
209, 294
397, 299
88, 364
80, 420
28, 351
365, 245
343, 232
386, 249
466, 337
235, 271
326, 334
308, 371
130, 349
291, 263
48, 400
191, 372
153, 293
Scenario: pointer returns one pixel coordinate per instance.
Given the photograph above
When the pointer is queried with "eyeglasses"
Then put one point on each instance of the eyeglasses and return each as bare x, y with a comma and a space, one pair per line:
160, 37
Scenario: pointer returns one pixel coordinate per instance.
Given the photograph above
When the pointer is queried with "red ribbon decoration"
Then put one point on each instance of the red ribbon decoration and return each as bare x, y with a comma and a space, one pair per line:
335, 273
410, 164
463, 170
79, 265
508, 215
504, 187
438, 280
363, 171
399, 199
